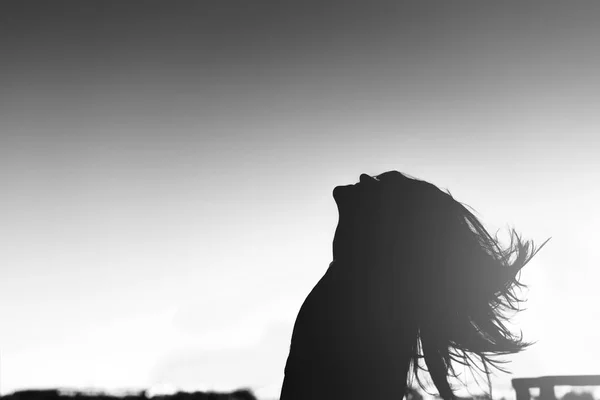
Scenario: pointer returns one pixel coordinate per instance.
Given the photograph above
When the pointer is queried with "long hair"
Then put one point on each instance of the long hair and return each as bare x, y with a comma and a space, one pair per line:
468, 291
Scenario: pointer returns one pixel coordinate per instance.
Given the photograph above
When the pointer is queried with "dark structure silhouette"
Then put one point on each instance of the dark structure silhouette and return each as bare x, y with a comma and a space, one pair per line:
546, 385
578, 396
416, 281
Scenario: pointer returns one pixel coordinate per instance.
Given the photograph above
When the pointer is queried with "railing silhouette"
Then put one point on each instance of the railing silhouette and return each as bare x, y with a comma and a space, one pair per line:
547, 383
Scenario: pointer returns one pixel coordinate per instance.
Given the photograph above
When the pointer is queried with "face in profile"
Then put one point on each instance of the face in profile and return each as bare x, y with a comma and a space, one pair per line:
374, 209
372, 195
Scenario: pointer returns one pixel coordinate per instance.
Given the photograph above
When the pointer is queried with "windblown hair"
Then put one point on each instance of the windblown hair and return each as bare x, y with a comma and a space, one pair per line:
468, 291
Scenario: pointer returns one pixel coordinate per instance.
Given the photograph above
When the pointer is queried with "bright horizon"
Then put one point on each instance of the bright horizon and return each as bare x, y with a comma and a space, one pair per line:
138, 146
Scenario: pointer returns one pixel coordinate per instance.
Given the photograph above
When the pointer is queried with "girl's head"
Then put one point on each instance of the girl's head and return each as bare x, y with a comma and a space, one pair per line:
458, 282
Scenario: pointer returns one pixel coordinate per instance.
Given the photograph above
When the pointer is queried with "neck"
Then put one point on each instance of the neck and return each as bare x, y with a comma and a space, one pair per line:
358, 252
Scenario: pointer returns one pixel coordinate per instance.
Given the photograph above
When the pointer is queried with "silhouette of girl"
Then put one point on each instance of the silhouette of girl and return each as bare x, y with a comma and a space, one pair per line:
414, 277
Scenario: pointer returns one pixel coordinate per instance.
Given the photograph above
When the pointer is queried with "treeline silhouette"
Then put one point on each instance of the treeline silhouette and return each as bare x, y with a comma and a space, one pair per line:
54, 394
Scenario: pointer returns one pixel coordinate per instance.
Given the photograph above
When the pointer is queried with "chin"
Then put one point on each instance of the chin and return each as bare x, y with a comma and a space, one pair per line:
340, 192
336, 194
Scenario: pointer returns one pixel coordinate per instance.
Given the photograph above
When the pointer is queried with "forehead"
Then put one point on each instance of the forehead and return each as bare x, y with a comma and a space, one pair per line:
388, 174
391, 175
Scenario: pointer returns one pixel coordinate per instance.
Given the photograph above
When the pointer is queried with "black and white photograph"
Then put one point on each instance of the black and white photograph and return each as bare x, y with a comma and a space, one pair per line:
277, 200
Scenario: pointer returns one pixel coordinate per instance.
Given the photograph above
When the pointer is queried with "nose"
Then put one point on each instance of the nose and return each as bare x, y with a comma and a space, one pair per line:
366, 178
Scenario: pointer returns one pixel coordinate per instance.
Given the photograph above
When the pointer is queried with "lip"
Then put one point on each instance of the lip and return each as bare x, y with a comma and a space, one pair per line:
343, 187
340, 189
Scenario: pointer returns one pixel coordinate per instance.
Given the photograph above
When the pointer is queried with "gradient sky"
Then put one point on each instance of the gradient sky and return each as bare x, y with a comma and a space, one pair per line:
167, 169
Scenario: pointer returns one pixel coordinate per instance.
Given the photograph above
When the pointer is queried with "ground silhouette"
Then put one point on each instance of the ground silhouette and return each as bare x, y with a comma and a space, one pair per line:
54, 394
416, 282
